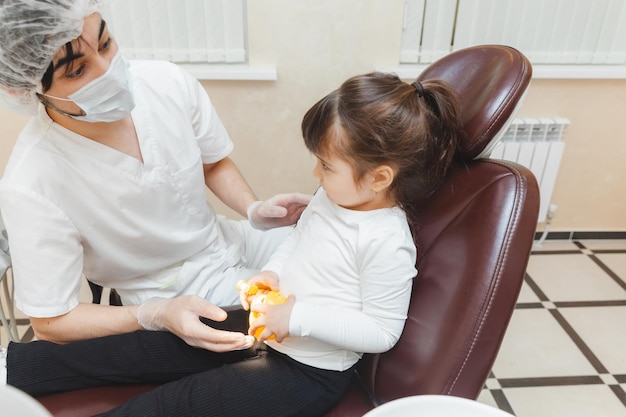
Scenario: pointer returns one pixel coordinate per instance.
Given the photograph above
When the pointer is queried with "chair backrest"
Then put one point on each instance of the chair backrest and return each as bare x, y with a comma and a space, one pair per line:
473, 245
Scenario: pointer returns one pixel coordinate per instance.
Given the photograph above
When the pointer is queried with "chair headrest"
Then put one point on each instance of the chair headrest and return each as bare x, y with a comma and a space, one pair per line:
489, 94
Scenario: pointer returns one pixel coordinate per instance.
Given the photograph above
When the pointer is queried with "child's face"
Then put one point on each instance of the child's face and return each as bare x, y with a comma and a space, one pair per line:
337, 178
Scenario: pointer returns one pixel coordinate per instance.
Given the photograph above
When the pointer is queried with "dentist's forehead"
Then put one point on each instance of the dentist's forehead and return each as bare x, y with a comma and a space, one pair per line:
93, 29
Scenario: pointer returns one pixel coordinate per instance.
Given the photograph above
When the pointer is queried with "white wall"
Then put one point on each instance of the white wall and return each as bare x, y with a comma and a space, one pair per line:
316, 44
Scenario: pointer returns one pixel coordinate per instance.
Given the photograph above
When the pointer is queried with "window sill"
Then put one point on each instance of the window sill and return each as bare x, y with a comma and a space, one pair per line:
238, 72
588, 72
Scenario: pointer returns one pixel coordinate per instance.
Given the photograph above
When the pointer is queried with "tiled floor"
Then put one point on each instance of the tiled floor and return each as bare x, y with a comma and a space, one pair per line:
564, 354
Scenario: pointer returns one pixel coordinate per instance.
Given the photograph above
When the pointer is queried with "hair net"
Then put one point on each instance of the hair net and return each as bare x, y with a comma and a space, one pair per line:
31, 32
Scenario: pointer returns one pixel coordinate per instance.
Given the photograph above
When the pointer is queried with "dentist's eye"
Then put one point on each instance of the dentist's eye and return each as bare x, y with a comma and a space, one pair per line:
74, 72
106, 44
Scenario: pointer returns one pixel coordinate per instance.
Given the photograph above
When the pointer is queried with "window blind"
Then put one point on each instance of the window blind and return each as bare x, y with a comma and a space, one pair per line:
558, 32
181, 31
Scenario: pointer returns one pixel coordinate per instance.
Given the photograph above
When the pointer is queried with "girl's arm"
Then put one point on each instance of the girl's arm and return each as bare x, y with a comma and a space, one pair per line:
386, 275
269, 276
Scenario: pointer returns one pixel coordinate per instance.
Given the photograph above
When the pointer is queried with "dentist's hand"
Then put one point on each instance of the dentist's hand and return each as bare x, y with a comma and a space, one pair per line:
280, 210
181, 316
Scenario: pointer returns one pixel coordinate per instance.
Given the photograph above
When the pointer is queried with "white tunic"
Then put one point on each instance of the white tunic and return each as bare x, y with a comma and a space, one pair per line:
72, 205
351, 273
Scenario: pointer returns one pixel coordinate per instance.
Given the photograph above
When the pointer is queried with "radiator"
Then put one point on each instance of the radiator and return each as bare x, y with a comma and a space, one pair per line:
536, 143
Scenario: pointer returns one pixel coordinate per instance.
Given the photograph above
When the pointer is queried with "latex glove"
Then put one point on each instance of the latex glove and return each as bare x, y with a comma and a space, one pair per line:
181, 316
275, 318
280, 210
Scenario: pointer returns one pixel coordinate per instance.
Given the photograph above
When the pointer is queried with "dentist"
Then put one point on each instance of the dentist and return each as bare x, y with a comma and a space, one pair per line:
107, 180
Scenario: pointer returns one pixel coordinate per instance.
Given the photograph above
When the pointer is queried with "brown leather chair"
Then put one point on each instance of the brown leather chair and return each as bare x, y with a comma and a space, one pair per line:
473, 249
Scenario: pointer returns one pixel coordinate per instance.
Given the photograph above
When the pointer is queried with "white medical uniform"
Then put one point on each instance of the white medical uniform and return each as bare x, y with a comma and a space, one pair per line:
72, 205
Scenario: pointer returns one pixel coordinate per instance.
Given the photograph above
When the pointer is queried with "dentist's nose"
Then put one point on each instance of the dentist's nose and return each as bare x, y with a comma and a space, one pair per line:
102, 64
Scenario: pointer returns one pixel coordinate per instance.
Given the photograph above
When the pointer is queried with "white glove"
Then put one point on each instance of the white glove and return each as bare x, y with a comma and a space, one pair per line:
181, 316
280, 210
150, 312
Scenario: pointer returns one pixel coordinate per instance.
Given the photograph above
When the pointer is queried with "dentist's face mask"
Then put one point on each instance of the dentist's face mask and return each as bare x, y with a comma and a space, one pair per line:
108, 98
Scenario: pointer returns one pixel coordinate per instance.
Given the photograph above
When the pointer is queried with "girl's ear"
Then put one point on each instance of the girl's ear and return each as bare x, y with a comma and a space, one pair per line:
382, 177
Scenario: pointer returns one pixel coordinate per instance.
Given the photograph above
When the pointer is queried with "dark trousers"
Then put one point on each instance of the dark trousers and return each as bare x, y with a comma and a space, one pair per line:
255, 382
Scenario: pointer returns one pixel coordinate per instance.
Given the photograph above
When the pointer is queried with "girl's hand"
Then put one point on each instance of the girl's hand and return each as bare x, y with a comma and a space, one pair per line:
275, 318
264, 280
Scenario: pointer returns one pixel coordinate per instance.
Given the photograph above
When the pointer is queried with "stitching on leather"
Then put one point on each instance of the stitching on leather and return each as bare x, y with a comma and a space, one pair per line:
425, 252
507, 100
520, 193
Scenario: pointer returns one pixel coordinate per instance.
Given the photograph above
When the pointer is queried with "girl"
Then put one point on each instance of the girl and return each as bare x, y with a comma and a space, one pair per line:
382, 148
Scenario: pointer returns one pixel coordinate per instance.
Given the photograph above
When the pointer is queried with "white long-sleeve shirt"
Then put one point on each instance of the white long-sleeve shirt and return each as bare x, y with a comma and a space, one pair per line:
351, 273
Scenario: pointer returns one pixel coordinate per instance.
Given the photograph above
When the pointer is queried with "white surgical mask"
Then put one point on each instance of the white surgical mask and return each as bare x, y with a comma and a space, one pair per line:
108, 98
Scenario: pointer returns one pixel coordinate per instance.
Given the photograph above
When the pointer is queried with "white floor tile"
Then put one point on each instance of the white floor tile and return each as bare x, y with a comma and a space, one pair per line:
493, 383
549, 245
485, 397
608, 379
604, 331
565, 401
616, 263
535, 345
527, 295
598, 244
572, 278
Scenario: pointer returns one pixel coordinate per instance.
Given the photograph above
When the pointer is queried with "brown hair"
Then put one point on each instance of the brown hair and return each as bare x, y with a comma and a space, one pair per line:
411, 127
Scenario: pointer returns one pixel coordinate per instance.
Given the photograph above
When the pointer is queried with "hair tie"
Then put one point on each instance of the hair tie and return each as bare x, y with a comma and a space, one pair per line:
419, 88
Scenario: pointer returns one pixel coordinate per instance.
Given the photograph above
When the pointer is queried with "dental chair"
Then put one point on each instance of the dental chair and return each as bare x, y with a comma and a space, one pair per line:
473, 249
